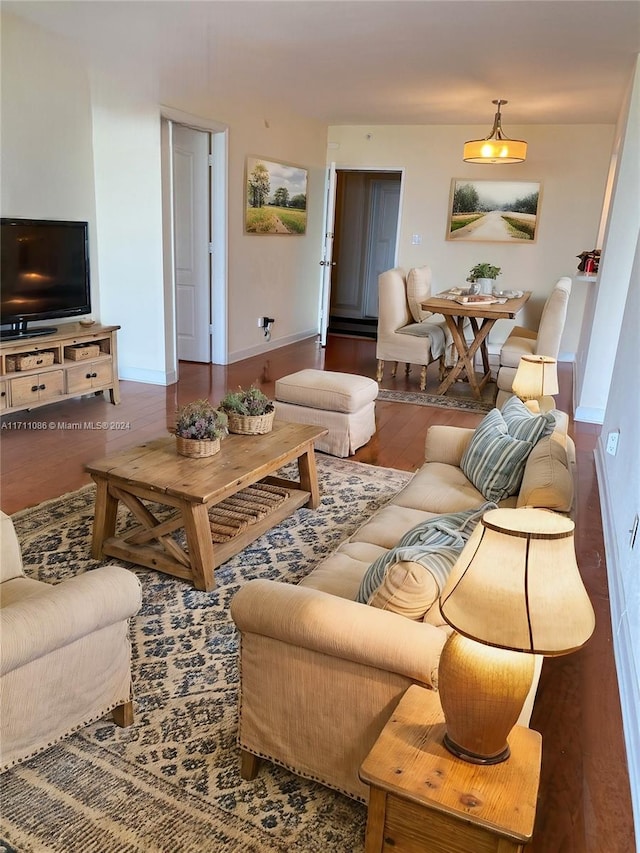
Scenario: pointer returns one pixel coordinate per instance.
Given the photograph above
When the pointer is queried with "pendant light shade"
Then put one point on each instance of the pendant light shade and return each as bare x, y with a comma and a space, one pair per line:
495, 148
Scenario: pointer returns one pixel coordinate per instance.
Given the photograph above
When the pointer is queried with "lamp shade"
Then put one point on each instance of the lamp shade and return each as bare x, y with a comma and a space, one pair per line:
499, 149
536, 377
495, 148
516, 585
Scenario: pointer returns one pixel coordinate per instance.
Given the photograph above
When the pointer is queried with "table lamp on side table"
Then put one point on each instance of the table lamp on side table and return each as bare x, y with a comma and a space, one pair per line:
515, 592
535, 381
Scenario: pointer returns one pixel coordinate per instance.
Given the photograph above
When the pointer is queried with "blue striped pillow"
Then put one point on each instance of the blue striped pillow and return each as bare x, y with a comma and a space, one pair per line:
494, 460
524, 424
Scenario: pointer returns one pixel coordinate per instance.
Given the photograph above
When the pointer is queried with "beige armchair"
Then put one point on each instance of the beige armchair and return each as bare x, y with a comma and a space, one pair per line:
546, 341
66, 656
406, 333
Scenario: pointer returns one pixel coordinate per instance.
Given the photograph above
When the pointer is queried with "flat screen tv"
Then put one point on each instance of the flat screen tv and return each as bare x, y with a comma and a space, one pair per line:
44, 274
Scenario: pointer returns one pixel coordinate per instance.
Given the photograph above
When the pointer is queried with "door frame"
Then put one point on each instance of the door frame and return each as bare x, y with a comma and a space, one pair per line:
329, 228
219, 133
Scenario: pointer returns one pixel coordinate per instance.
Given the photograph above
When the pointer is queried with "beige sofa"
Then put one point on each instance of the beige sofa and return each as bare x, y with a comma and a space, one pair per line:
322, 673
66, 656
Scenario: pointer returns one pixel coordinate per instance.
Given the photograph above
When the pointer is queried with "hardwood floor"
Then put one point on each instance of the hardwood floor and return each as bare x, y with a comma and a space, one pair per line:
584, 803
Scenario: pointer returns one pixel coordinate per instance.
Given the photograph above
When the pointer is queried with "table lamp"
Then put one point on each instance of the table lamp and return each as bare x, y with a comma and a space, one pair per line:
535, 381
515, 592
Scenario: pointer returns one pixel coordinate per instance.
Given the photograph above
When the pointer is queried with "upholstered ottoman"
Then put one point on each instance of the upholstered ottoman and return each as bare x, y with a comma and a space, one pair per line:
341, 402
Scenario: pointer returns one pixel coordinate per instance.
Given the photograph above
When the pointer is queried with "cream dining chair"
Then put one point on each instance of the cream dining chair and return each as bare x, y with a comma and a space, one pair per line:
546, 341
406, 333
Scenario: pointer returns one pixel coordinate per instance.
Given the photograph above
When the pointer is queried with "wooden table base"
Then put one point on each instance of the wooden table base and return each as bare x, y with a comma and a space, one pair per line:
189, 489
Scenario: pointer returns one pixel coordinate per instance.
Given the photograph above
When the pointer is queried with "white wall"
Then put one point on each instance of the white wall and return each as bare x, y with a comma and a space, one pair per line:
571, 162
46, 151
606, 306
619, 481
82, 142
271, 275
619, 474
126, 145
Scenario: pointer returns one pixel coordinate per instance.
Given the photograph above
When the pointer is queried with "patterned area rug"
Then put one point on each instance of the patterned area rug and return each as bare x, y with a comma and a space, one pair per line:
421, 398
171, 782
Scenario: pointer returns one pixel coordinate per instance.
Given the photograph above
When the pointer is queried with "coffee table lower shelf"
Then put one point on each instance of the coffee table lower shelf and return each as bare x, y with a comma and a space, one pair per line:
166, 555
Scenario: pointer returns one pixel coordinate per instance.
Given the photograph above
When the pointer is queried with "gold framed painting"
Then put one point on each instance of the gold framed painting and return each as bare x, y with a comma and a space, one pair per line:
494, 211
276, 197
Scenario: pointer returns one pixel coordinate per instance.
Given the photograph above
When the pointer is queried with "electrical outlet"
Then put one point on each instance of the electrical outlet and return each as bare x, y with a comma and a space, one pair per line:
260, 322
612, 442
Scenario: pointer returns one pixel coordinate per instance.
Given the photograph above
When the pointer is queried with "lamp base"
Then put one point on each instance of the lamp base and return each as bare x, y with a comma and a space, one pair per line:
473, 757
482, 692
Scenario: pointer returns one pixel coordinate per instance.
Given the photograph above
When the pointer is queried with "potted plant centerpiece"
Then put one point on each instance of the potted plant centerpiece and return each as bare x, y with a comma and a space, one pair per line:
484, 277
250, 412
199, 428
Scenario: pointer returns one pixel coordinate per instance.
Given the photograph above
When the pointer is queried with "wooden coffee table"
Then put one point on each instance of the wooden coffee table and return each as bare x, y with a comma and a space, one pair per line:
155, 472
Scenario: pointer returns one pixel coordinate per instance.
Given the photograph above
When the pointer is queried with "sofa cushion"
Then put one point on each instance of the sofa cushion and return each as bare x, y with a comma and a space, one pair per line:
418, 290
524, 424
409, 578
494, 460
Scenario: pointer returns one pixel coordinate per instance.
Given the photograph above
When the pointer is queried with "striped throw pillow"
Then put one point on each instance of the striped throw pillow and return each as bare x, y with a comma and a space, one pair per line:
494, 460
524, 424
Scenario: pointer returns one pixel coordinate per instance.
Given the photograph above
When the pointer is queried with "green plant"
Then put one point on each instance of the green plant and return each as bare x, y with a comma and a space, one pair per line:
200, 420
483, 270
246, 401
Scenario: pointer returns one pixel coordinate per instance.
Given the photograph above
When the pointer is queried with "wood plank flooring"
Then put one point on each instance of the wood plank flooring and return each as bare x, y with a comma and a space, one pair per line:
584, 804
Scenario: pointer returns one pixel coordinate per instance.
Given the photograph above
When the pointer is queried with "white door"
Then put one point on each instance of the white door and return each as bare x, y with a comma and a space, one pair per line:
192, 237
381, 239
327, 252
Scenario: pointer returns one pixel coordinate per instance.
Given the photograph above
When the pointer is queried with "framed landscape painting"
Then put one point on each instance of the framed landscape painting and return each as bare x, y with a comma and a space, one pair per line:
276, 198
494, 211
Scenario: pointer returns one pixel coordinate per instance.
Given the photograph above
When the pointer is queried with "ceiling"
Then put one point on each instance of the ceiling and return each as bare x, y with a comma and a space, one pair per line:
363, 62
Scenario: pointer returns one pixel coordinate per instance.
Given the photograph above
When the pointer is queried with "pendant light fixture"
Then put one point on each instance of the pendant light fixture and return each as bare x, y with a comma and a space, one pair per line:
495, 148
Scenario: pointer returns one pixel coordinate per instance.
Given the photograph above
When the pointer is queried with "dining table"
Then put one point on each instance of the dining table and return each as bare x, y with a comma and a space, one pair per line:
480, 312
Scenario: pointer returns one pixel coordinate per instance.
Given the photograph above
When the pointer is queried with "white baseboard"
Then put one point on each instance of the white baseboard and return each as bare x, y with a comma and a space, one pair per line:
627, 666
149, 377
588, 415
269, 346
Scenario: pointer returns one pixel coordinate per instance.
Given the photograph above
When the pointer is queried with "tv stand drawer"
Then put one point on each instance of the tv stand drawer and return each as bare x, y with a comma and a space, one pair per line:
36, 388
89, 377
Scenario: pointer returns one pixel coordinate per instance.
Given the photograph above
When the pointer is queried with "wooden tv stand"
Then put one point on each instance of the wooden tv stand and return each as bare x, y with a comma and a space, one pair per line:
73, 361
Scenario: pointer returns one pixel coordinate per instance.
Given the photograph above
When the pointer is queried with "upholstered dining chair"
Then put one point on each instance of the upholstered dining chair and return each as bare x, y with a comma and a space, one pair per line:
406, 333
66, 656
544, 341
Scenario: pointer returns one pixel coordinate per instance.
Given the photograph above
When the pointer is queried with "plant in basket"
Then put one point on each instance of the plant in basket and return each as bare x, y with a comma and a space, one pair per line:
199, 428
249, 410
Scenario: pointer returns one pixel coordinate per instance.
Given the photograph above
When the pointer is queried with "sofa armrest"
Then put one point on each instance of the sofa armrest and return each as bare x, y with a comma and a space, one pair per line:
446, 444
549, 475
308, 618
34, 626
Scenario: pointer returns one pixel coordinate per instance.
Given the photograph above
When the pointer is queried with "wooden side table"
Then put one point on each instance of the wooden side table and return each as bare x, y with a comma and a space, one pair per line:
423, 798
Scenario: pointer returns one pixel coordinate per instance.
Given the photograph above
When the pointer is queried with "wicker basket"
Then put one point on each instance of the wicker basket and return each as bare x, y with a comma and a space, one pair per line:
197, 448
79, 352
251, 424
31, 360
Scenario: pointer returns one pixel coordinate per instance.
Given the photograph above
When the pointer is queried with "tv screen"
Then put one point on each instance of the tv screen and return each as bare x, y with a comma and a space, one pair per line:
44, 273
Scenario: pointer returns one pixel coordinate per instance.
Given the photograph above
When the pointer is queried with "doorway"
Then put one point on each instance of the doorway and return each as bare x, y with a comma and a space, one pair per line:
365, 244
217, 135
192, 239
